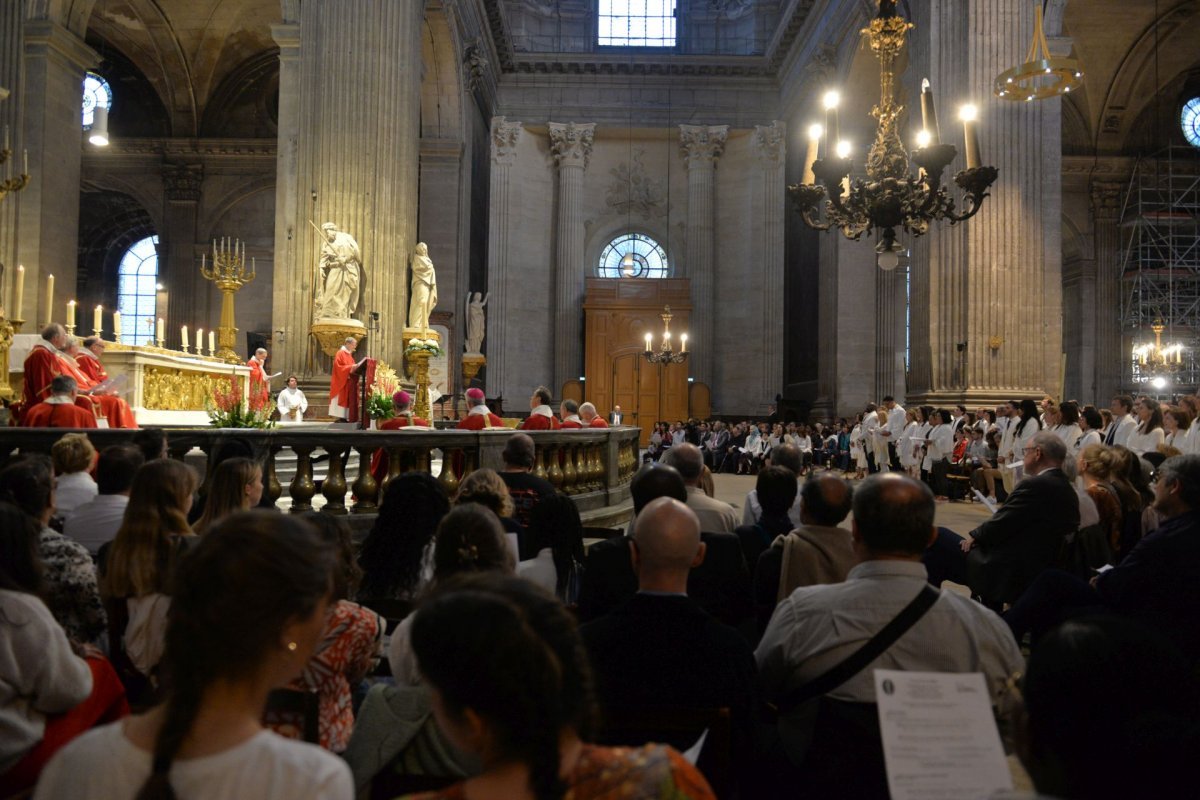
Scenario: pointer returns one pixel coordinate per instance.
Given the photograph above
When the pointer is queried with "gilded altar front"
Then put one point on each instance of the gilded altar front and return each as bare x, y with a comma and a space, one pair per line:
169, 388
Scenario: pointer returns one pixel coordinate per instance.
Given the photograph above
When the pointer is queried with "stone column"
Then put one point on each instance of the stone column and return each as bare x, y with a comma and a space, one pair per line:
992, 287
505, 137
572, 147
1110, 357
187, 290
702, 146
438, 225
349, 127
771, 143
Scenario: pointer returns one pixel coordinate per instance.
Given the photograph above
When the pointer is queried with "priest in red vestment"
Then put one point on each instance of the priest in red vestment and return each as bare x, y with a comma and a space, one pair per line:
343, 384
587, 413
402, 404
260, 388
478, 416
88, 358
115, 409
540, 418
569, 410
46, 361
59, 409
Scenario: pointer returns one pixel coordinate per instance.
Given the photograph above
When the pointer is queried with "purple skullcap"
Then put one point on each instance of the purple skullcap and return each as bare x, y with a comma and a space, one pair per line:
401, 398
475, 394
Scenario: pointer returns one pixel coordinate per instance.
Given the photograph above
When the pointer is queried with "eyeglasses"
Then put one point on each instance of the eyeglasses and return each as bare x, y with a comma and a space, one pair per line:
1029, 449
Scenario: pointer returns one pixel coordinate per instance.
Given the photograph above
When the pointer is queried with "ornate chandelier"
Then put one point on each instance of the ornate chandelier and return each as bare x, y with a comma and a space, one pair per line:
1156, 360
1041, 75
891, 198
666, 352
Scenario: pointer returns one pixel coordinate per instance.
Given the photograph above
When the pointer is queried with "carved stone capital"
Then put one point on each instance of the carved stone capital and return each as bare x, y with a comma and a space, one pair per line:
1106, 201
505, 136
771, 142
702, 144
475, 64
183, 181
572, 143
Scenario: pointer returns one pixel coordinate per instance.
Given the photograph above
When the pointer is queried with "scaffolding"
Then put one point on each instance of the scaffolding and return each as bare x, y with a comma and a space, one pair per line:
1160, 270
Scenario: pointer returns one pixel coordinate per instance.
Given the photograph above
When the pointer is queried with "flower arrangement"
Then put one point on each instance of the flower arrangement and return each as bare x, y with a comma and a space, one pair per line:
379, 405
423, 346
227, 409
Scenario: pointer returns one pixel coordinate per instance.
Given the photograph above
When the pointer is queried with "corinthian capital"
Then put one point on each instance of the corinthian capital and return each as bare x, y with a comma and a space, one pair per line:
505, 136
702, 144
771, 142
572, 143
1106, 200
182, 181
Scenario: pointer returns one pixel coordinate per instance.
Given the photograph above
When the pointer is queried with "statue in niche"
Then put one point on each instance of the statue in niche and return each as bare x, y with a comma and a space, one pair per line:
341, 274
475, 322
423, 294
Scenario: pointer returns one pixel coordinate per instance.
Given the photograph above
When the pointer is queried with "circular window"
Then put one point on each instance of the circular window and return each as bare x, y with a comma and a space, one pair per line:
96, 92
633, 255
1189, 120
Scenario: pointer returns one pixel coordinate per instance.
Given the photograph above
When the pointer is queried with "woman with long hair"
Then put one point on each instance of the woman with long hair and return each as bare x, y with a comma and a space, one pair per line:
938, 451
237, 485
248, 610
1175, 425
905, 444
486, 487
397, 555
1148, 434
511, 684
556, 534
1066, 424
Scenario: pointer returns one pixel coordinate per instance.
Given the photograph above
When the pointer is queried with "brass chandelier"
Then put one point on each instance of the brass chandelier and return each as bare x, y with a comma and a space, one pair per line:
1155, 360
890, 198
666, 352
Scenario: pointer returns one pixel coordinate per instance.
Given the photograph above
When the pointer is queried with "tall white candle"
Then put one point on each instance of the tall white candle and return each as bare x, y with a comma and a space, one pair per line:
815, 132
49, 299
19, 292
116, 325
184, 338
98, 319
212, 343
968, 114
199, 341
160, 330
70, 313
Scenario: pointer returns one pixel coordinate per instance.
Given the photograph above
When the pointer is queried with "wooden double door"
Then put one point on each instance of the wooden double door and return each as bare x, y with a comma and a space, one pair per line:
618, 313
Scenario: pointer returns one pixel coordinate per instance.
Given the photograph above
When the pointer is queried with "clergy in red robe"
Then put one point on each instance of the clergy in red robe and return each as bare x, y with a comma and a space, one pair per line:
343, 384
540, 418
43, 365
59, 409
587, 413
569, 410
402, 404
88, 358
478, 416
260, 388
115, 409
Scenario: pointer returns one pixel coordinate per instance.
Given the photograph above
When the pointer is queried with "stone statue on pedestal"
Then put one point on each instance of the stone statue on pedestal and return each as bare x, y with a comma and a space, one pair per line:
475, 322
423, 296
341, 274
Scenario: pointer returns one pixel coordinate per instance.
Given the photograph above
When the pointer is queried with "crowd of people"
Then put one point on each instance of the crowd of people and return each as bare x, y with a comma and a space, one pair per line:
159, 627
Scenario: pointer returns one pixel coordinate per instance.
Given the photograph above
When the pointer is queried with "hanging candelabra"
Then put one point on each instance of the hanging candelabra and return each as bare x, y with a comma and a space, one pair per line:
666, 351
1156, 360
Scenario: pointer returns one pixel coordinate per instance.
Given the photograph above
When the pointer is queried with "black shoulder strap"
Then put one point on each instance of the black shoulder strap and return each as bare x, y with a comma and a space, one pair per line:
860, 658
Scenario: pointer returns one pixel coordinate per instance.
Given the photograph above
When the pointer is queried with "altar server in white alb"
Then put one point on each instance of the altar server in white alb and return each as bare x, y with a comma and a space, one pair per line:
291, 402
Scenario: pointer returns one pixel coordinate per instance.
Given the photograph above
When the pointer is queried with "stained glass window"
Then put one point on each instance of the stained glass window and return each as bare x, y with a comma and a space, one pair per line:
96, 92
636, 23
1189, 120
137, 291
647, 258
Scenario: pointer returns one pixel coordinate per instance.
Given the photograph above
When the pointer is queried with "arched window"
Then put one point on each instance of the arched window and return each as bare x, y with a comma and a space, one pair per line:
96, 92
636, 23
1189, 120
648, 259
137, 291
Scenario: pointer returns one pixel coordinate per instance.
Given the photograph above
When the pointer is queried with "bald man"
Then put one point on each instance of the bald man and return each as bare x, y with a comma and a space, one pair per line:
660, 649
587, 413
715, 516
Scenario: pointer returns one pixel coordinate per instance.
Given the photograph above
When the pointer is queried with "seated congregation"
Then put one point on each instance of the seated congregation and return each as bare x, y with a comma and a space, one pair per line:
159, 642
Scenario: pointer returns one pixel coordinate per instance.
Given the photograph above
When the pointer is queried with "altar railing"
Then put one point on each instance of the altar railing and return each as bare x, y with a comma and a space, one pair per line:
594, 467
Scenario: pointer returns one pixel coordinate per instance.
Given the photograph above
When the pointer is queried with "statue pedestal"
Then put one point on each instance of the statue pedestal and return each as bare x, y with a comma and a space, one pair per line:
428, 334
471, 364
331, 333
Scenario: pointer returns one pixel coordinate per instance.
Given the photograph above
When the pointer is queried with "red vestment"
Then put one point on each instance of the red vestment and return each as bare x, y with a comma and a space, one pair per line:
91, 366
42, 366
571, 424
540, 420
343, 383
260, 390
379, 461
58, 415
475, 422
115, 409
597, 422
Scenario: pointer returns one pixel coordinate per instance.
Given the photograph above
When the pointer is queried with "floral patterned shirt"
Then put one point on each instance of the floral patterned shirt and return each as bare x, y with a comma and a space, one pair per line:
652, 772
72, 593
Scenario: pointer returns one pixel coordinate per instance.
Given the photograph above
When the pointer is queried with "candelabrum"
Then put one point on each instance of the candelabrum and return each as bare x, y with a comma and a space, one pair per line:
229, 273
9, 328
666, 352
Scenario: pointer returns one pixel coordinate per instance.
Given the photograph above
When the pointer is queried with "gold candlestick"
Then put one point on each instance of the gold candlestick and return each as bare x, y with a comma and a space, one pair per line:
229, 273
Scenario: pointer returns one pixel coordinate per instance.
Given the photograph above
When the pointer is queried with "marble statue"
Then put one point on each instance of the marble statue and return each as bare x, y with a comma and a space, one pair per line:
341, 275
475, 321
423, 296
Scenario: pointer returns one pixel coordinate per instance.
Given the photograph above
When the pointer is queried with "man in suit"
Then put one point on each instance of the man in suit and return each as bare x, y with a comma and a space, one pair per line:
616, 417
659, 649
1024, 537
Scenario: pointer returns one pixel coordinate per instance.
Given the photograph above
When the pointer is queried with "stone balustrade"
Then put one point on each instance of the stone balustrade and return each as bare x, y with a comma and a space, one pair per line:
594, 467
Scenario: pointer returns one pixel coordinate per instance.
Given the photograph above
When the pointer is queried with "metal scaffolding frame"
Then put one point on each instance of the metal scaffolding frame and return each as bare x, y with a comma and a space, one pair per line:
1160, 267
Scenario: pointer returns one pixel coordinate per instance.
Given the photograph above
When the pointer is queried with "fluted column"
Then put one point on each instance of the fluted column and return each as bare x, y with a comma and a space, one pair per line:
702, 146
771, 145
1110, 358
349, 115
572, 147
505, 138
187, 291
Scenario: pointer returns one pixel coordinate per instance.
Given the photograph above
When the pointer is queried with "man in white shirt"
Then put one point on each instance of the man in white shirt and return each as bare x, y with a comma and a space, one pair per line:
1123, 422
715, 516
891, 432
96, 523
891, 529
291, 402
870, 425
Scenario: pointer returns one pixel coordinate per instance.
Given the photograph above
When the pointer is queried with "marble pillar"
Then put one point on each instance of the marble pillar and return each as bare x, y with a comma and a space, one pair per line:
990, 323
439, 222
505, 137
571, 145
771, 144
349, 129
178, 263
702, 145
1111, 356
12, 20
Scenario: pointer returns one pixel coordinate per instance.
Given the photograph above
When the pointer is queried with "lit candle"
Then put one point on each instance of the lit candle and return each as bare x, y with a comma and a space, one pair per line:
683, 342
49, 299
202, 261
968, 114
831, 100
97, 319
160, 330
184, 338
648, 339
928, 114
19, 291
814, 142
116, 325
199, 341
923, 138
212, 343
70, 313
